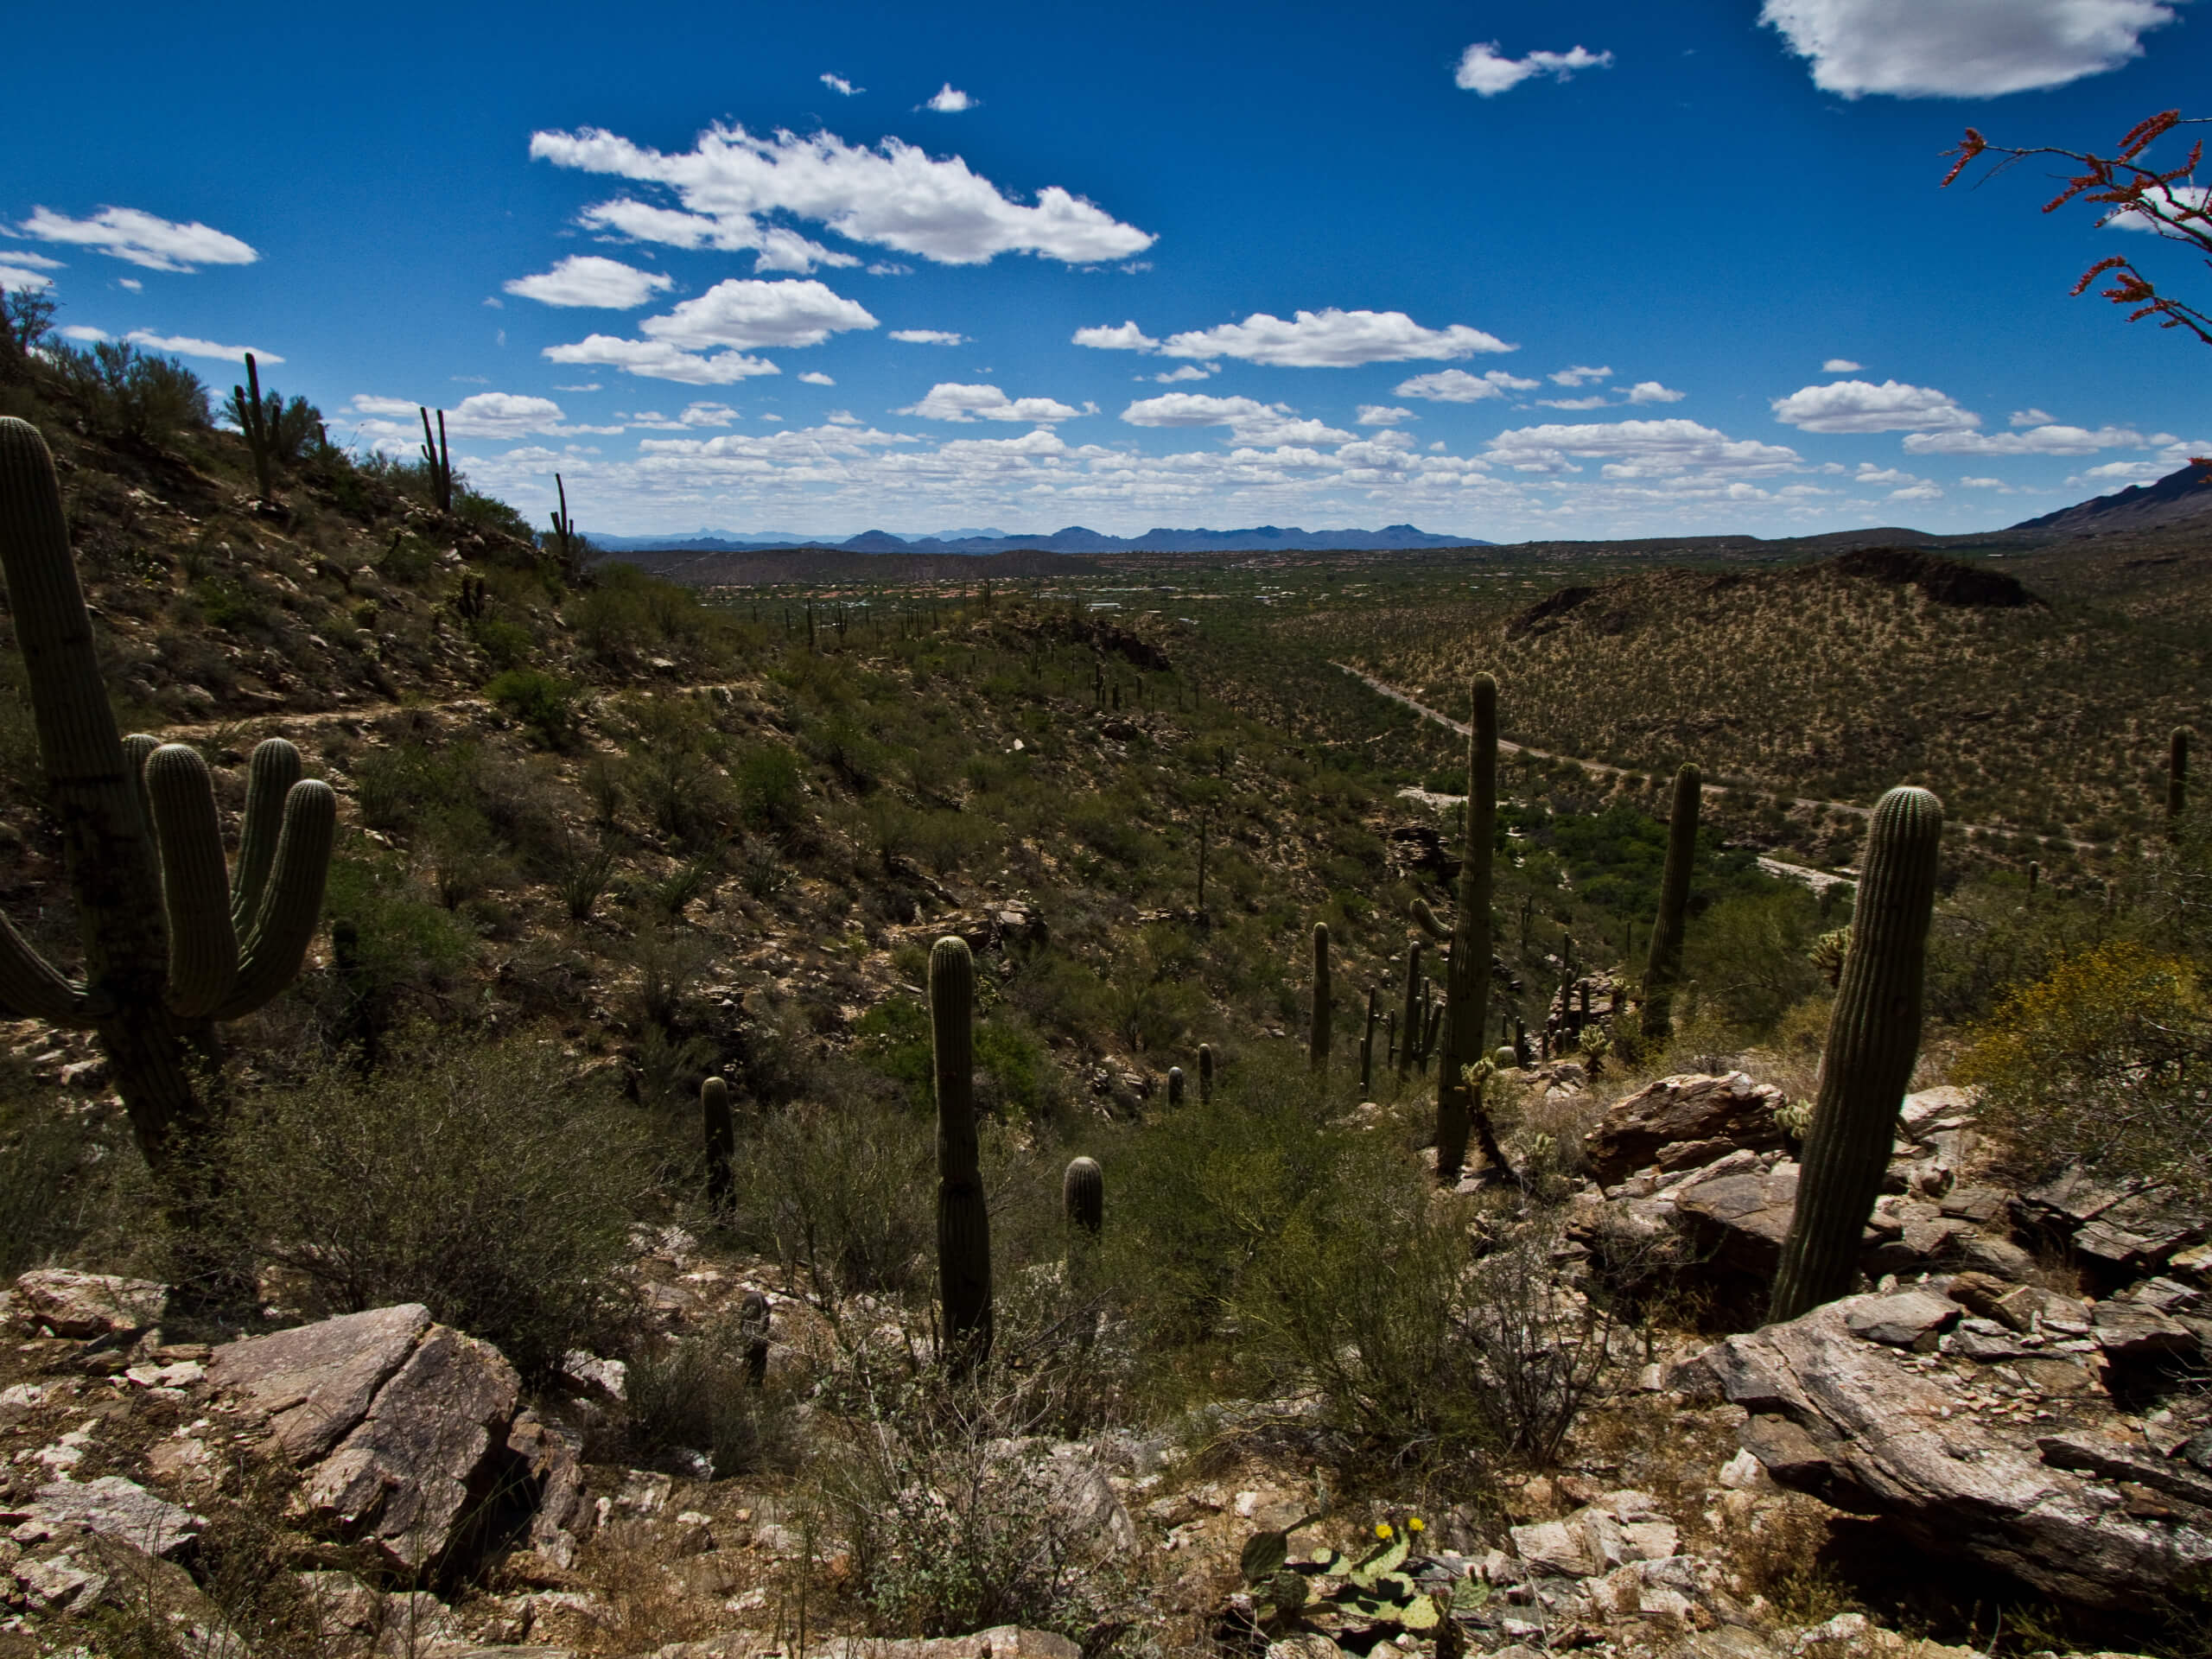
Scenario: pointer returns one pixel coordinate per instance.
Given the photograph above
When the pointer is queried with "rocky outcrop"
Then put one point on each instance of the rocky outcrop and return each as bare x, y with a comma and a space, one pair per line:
402, 1428
1974, 1438
71, 1304
1683, 1122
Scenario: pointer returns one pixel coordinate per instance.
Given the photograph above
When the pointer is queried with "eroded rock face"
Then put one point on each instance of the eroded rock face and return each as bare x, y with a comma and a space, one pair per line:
1681, 1122
401, 1427
1842, 1409
72, 1304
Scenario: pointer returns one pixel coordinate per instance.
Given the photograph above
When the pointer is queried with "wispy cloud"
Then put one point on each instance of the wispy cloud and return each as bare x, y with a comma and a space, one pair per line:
1483, 71
587, 279
1248, 420
927, 337
1327, 339
143, 238
843, 87
1458, 386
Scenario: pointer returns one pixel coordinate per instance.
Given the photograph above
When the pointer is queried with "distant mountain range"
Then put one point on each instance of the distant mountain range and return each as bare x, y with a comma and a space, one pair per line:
2178, 498
1074, 539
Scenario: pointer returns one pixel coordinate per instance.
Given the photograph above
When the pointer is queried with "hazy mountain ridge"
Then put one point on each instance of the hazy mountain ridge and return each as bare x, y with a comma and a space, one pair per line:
2178, 498
1075, 538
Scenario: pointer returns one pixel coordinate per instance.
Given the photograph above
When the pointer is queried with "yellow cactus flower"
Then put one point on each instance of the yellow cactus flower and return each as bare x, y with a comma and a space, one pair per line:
1416, 1524
1381, 1529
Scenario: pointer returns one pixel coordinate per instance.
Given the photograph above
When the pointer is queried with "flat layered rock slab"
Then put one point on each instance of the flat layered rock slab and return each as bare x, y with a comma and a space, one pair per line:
1863, 1425
1682, 1120
315, 1382
80, 1304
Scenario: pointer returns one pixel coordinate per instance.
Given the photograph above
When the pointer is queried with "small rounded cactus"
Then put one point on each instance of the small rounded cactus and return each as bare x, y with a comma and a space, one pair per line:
1083, 1195
963, 1221
1874, 1041
1175, 1085
1505, 1059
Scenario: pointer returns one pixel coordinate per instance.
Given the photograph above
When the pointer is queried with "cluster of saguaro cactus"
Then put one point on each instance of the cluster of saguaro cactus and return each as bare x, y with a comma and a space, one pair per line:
1317, 1036
964, 1221
566, 547
257, 421
1466, 998
1874, 1040
1664, 965
172, 944
437, 459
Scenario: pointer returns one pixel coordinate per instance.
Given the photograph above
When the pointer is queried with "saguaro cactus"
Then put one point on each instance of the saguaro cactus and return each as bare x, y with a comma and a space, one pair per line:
171, 945
1873, 1039
1175, 1085
721, 1140
1466, 997
437, 459
1410, 1044
2176, 776
964, 1221
1317, 1037
1665, 963
1367, 1049
565, 545
254, 420
1083, 1195
1206, 1074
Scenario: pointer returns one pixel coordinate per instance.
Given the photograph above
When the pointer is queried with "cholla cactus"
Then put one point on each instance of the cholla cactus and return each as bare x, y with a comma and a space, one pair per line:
1827, 954
173, 943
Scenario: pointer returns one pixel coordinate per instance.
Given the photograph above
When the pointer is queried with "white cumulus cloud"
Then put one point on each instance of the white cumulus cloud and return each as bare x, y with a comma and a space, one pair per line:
895, 195
143, 238
1331, 338
1185, 371
1483, 71
1961, 48
1458, 386
656, 359
1862, 406
1595, 401
1383, 415
587, 279
20, 271
2049, 440
746, 313
928, 337
1650, 391
1840, 366
2168, 202
816, 378
1579, 375
1633, 449
1128, 337
947, 401
843, 87
1248, 420
950, 101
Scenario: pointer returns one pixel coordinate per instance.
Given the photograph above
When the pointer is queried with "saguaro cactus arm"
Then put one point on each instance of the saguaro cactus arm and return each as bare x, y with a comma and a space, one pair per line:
269, 777
1874, 1040
291, 900
203, 956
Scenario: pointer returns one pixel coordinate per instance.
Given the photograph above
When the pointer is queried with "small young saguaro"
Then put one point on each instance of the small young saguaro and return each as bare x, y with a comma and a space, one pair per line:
722, 1141
1316, 1041
1411, 1041
964, 1221
1874, 1040
1367, 1049
1175, 1085
2176, 776
1206, 1074
1664, 965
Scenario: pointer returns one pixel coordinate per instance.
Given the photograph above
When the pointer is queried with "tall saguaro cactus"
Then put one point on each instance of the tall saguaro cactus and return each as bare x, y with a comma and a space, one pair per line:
1873, 1039
565, 545
2177, 776
254, 420
171, 943
1466, 996
722, 1141
1206, 1074
1664, 965
964, 1221
437, 459
1367, 1049
1317, 1037
1411, 1042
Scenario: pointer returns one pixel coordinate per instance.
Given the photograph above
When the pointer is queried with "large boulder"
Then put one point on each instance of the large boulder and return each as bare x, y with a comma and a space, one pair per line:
1681, 1122
2042, 1480
72, 1304
403, 1429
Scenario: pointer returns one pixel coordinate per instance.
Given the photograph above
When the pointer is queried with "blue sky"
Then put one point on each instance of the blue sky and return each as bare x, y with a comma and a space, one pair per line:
1506, 270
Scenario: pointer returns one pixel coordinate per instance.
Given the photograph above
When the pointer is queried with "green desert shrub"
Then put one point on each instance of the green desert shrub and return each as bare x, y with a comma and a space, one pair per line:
483, 1180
